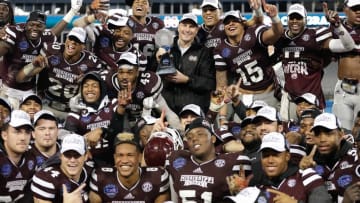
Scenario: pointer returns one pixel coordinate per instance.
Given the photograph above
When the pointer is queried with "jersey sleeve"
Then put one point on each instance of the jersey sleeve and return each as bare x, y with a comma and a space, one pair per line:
43, 186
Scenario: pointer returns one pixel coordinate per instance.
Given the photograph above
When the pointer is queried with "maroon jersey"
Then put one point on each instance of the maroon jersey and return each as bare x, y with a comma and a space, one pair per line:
212, 38
153, 182
206, 182
14, 178
303, 62
23, 52
40, 157
144, 35
248, 60
63, 76
148, 85
104, 49
47, 184
89, 119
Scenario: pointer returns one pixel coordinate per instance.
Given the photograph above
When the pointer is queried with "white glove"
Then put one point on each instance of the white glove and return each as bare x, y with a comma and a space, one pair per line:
76, 4
149, 103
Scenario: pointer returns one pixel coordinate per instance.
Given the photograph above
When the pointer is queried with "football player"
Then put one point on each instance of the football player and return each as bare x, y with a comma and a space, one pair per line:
6, 13
5, 110
199, 174
17, 164
68, 172
63, 65
31, 104
21, 44
127, 181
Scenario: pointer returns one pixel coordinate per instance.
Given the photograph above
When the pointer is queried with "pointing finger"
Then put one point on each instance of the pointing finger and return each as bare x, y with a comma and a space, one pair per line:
313, 151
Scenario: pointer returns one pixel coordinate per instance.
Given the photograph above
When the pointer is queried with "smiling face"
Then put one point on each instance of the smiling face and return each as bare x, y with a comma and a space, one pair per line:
72, 48
296, 24
127, 159
211, 16
353, 14
187, 31
30, 106
140, 8
274, 163
305, 129
265, 126
201, 144
72, 164
233, 27
249, 134
122, 37
327, 140
34, 30
91, 91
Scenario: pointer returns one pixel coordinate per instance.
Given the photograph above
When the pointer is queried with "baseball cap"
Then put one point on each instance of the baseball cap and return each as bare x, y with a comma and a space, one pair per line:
73, 142
275, 141
189, 16
127, 138
248, 195
213, 3
20, 118
310, 113
326, 120
78, 34
128, 58
44, 113
235, 14
199, 122
297, 8
267, 112
257, 104
145, 120
196, 109
246, 121
117, 20
309, 98
37, 16
351, 3
5, 103
30, 96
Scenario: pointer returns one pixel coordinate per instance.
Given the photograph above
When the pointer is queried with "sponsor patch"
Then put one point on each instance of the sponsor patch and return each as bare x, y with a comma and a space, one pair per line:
344, 180
179, 163
111, 190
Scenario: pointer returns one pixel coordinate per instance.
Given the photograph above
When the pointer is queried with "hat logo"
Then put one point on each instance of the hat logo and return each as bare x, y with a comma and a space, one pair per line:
206, 123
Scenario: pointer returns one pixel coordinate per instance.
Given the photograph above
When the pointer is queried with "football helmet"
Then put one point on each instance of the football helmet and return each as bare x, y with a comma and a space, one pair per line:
160, 145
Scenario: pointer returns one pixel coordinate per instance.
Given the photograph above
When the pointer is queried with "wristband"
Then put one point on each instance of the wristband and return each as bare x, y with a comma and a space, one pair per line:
275, 19
28, 69
216, 107
69, 16
258, 12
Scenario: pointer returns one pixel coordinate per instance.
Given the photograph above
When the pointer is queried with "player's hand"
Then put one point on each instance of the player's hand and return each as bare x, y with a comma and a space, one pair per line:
352, 193
40, 62
93, 137
233, 92
331, 15
76, 4
178, 78
74, 196
270, 9
124, 96
149, 103
237, 182
308, 161
160, 124
159, 53
255, 4
281, 197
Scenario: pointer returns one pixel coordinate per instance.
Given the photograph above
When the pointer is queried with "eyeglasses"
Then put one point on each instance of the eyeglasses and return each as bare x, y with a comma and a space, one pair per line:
71, 154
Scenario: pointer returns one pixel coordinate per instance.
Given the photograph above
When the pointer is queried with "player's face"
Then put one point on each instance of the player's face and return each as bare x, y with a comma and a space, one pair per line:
72, 48
45, 133
4, 114
327, 141
249, 134
122, 37
186, 118
34, 30
72, 164
305, 130
356, 127
126, 75
91, 91
4, 13
301, 106
17, 140
233, 28
274, 163
265, 126
140, 8
30, 106
296, 23
127, 159
200, 143
353, 15
187, 31
211, 16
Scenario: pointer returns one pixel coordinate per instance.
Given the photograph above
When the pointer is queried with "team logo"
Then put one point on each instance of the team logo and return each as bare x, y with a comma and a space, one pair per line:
85, 119
30, 165
140, 95
111, 190
344, 180
131, 23
104, 42
23, 45
107, 110
6, 170
155, 25
54, 60
225, 52
305, 37
179, 163
83, 67
291, 182
320, 170
247, 37
147, 187
39, 160
220, 163
193, 58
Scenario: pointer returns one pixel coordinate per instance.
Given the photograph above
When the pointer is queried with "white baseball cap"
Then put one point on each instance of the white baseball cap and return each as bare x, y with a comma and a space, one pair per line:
43, 113
192, 108
73, 142
308, 97
326, 120
257, 104
351, 3
117, 20
275, 141
79, 33
20, 118
234, 13
248, 195
213, 3
267, 112
297, 8
189, 16
128, 58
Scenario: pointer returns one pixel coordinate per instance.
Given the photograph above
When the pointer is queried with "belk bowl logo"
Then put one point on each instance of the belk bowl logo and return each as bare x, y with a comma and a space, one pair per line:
147, 187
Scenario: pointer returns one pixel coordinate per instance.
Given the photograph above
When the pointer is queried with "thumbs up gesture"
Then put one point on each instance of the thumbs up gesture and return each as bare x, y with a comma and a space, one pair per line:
308, 161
